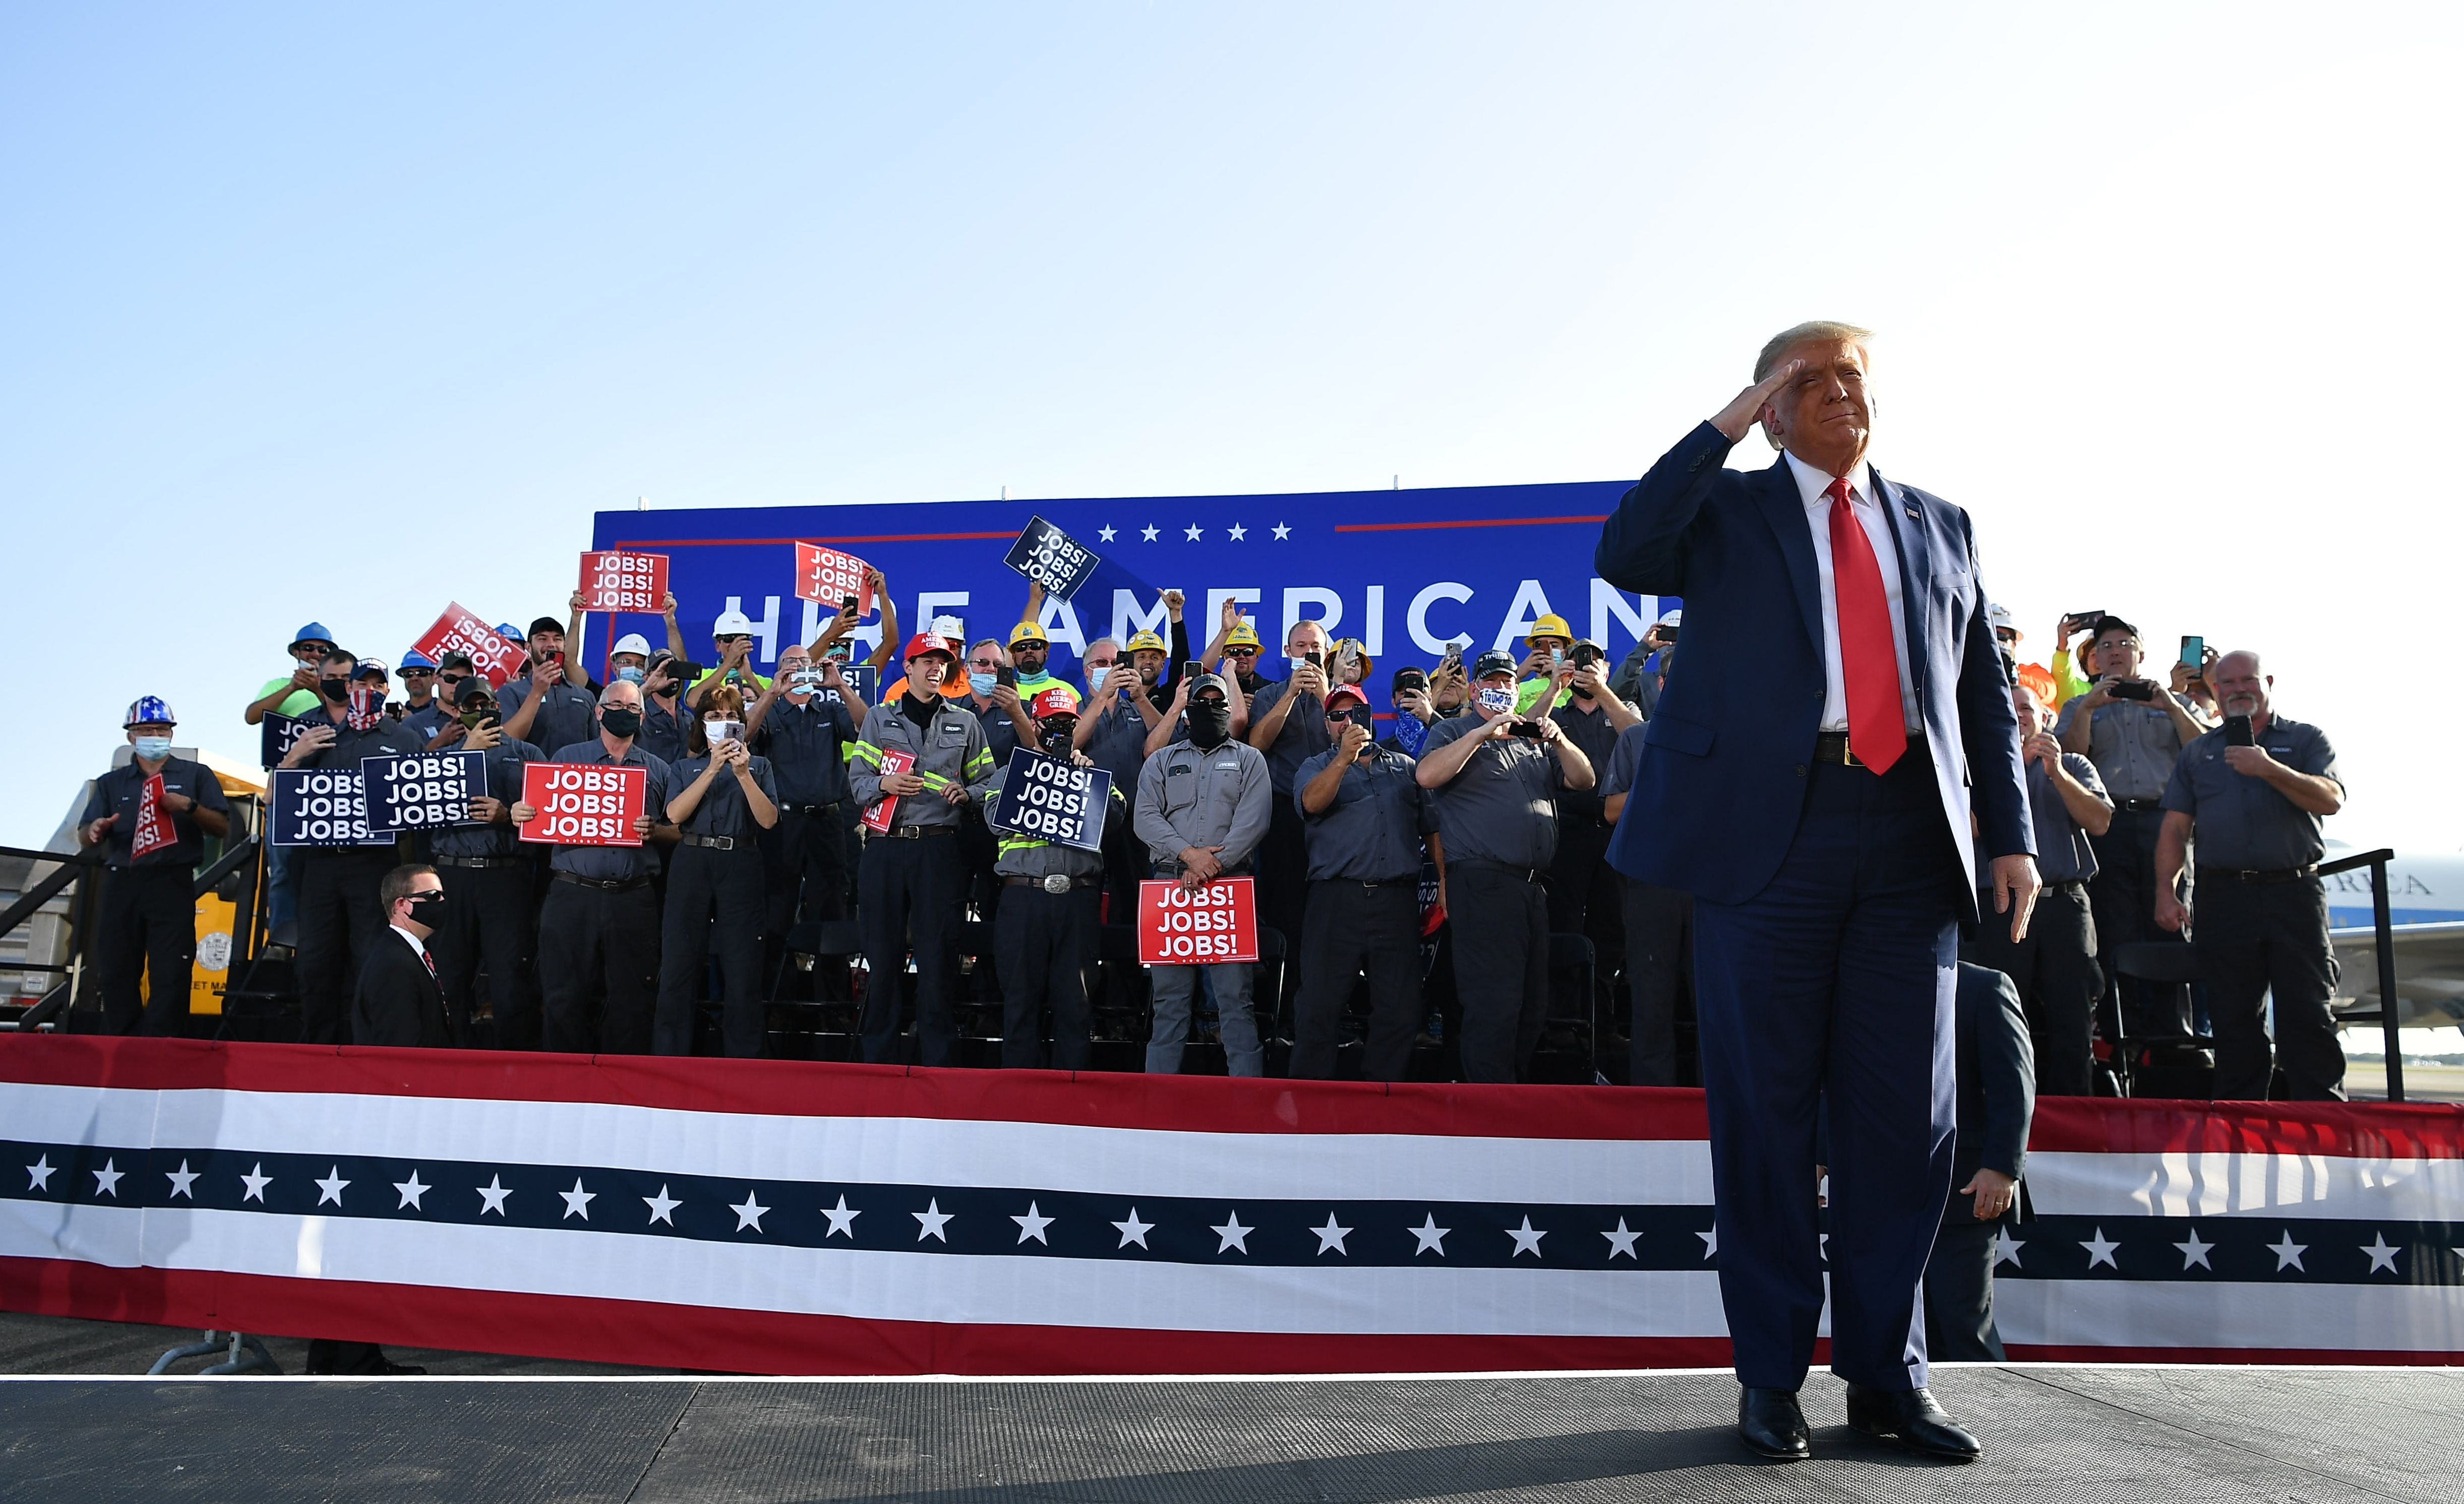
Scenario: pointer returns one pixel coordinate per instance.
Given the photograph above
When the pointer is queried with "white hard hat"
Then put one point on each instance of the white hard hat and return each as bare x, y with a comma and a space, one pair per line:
632, 642
1999, 618
732, 624
948, 627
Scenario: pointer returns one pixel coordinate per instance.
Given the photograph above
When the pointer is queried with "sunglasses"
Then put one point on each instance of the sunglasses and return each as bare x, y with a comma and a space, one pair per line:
1239, 653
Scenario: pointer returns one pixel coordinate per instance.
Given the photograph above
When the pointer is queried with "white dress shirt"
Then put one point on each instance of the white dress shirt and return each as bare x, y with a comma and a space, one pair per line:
414, 942
1812, 486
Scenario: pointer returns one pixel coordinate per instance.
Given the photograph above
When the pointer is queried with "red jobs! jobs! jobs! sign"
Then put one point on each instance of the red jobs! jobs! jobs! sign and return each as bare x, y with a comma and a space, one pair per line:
1180, 926
497, 656
583, 803
830, 576
619, 581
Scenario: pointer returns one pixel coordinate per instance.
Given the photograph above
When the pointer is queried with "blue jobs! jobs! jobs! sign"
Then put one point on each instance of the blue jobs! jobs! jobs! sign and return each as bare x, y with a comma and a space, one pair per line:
1408, 572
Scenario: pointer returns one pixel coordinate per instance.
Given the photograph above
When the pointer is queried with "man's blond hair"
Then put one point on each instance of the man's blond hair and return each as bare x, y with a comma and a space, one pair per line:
1823, 329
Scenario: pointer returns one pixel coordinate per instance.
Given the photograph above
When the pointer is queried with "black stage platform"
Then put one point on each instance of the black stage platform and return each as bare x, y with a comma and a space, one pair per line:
551, 1431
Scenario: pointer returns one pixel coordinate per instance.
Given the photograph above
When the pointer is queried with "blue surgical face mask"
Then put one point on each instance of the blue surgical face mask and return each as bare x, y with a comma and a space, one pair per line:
153, 749
983, 683
1497, 700
630, 674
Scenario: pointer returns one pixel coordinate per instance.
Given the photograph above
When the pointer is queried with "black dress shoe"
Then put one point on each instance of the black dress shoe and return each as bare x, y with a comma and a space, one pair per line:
1770, 1425
1911, 1418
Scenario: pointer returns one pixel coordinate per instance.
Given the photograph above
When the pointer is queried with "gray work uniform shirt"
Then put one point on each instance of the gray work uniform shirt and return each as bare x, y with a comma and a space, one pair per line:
615, 863
2063, 853
808, 747
119, 791
1188, 798
1597, 736
663, 731
1302, 737
723, 810
504, 765
1118, 744
1372, 831
569, 715
1028, 856
949, 750
2241, 821
1503, 806
2133, 746
1625, 758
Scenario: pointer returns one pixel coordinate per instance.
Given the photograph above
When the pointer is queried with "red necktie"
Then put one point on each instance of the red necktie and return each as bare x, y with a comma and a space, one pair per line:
1869, 666
430, 960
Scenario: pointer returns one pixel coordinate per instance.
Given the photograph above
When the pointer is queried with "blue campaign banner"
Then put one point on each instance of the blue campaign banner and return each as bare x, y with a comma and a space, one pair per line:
1408, 572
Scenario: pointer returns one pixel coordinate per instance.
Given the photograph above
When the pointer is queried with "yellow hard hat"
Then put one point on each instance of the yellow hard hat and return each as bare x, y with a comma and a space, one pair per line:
1146, 642
1028, 631
1549, 627
1242, 636
1367, 663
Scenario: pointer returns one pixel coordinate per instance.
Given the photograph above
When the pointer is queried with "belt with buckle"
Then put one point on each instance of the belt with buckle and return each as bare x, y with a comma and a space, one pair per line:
829, 809
2254, 875
1054, 882
715, 843
604, 884
910, 833
2137, 805
480, 863
1831, 746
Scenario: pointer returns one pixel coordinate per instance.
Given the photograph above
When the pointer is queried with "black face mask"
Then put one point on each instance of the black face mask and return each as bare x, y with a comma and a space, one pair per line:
335, 691
1055, 741
428, 907
1210, 724
620, 721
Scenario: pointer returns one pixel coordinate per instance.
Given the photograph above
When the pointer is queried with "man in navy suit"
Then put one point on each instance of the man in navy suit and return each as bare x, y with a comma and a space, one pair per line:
1811, 778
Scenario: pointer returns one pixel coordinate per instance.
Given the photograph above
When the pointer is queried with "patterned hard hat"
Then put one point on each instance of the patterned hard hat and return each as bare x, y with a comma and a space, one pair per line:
149, 710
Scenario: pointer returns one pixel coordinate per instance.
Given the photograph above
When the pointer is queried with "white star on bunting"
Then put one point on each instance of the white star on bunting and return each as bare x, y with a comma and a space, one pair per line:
842, 1219
38, 1175
1233, 1234
2288, 1254
1133, 1230
1710, 1241
577, 1200
411, 1190
1621, 1241
1329, 1238
1032, 1225
1193, 531
2195, 1252
1527, 1238
257, 1180
2099, 1251
2382, 1256
332, 1186
106, 1181
749, 1214
1147, 533
663, 1206
1431, 1236
183, 1180
1281, 532
1104, 533
1238, 533
2006, 1247
933, 1219
492, 1196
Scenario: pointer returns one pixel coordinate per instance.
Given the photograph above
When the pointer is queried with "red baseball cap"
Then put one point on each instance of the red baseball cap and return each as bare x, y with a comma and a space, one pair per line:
924, 642
1350, 692
1058, 700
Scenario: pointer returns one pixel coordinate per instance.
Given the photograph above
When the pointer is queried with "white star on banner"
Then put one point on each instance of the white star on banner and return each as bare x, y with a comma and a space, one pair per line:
1104, 533
492, 1196
411, 1190
1233, 1234
183, 1180
257, 1180
842, 1219
663, 1206
2380, 1255
1710, 1241
1195, 531
749, 1214
1527, 1238
106, 1181
1329, 1238
1431, 1236
934, 1219
1032, 1225
1133, 1230
332, 1186
1238, 533
577, 1200
2099, 1251
2288, 1254
1147, 533
1621, 1240
2006, 1248
2195, 1252
38, 1175
1281, 532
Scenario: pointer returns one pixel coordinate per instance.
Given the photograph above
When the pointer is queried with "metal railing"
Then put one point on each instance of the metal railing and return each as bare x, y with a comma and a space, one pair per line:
73, 870
2388, 1024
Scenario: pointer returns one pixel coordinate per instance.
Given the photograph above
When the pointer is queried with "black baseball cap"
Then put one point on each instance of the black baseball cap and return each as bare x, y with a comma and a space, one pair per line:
547, 624
475, 687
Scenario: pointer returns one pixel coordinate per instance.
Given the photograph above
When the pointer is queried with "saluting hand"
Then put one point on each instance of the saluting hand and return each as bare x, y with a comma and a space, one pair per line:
1747, 406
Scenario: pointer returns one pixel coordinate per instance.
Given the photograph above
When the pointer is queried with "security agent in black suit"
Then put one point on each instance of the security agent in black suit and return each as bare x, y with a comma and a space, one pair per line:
1997, 1096
400, 999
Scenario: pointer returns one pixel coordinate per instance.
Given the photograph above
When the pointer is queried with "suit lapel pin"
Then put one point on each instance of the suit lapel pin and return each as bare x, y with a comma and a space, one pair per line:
1910, 510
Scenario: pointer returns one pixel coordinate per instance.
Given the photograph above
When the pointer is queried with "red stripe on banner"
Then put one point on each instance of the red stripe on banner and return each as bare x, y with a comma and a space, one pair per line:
869, 537
1483, 521
714, 1337
806, 1089
2344, 1130
2046, 1353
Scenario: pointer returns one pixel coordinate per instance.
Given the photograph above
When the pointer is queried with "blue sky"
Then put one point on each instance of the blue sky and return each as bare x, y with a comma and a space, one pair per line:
340, 312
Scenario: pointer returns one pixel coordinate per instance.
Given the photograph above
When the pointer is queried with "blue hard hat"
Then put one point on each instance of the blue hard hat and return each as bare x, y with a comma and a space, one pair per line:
149, 710
416, 659
511, 632
314, 631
